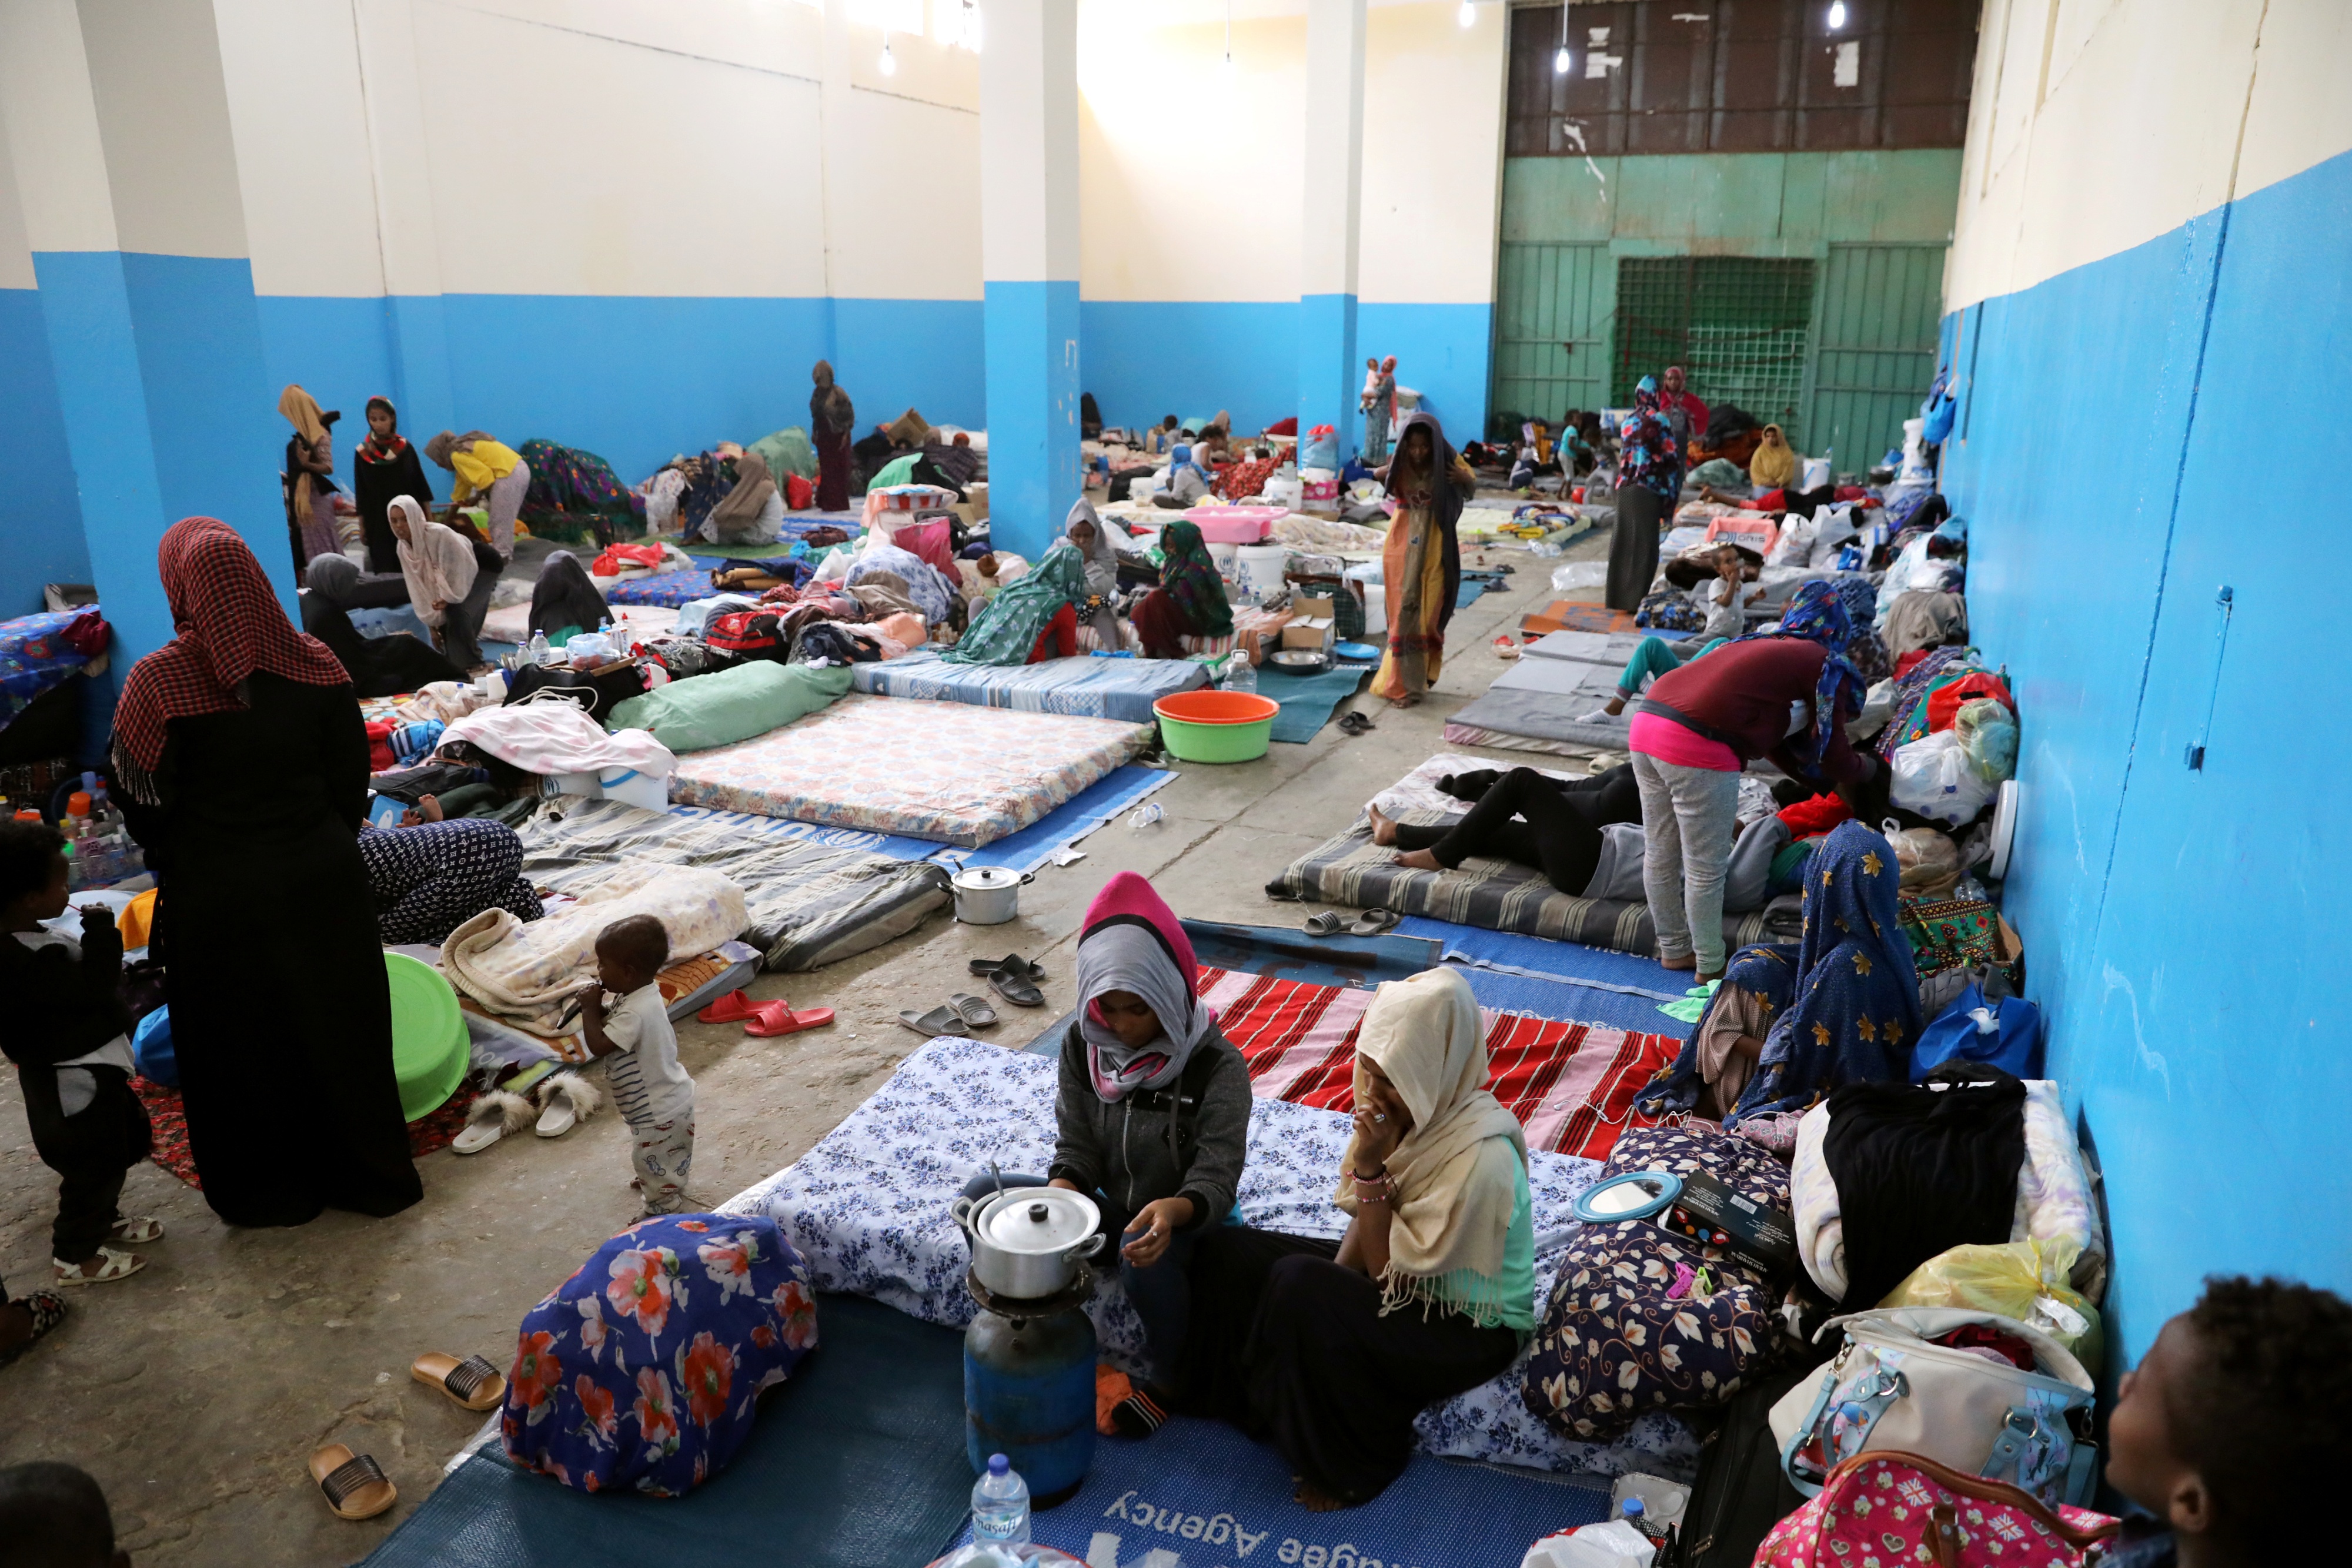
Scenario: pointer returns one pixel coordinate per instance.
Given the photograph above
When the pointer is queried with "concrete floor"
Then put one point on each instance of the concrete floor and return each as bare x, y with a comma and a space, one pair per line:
195, 1391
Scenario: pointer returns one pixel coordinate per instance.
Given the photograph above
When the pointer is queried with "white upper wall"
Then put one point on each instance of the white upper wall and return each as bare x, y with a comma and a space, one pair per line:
2097, 125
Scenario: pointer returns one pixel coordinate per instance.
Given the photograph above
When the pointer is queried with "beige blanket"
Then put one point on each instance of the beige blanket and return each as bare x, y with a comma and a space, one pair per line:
533, 973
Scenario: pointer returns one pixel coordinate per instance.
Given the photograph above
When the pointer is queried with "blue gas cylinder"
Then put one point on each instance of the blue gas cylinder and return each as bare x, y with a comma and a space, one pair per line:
1029, 1391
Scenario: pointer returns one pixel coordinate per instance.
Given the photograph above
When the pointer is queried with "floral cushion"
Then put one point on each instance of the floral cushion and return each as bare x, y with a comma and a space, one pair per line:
642, 1370
1613, 1343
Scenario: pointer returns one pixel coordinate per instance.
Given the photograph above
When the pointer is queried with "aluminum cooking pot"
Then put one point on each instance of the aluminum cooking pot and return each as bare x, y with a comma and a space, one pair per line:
1027, 1242
988, 894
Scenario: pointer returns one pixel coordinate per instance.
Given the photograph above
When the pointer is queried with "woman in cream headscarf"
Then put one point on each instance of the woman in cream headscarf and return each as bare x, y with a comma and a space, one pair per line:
451, 577
1330, 1349
309, 477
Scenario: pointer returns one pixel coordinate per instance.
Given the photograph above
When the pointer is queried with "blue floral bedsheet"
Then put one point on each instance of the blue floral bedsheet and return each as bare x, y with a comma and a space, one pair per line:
868, 1208
37, 652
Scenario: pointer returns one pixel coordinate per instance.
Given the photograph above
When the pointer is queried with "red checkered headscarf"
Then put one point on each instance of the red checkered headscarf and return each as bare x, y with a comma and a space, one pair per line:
229, 624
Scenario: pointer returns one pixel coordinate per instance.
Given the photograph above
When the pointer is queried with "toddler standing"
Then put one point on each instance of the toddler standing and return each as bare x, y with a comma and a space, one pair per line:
68, 1031
654, 1096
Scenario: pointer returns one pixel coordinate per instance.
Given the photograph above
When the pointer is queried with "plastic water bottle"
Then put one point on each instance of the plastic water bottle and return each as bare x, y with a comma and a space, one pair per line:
1637, 1515
540, 652
1241, 675
1000, 1504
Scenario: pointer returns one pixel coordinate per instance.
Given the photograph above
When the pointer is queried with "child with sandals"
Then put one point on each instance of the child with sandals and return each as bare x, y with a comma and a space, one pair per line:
69, 1032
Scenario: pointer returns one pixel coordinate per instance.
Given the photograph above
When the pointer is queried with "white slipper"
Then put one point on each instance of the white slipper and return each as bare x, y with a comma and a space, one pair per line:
137, 1231
567, 1099
111, 1266
490, 1118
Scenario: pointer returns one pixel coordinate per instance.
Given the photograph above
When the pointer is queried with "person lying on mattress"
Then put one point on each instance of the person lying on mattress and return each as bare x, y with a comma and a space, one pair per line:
430, 876
1151, 1120
1551, 824
1328, 1350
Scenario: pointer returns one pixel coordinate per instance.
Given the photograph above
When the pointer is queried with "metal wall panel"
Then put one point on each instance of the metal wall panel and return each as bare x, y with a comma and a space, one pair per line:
1553, 303
1874, 347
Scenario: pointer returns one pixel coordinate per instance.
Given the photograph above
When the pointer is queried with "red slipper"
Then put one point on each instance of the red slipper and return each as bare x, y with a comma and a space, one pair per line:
771, 1019
732, 1007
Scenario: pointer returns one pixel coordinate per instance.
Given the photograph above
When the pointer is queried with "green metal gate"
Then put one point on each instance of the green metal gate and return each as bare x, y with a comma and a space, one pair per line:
1551, 331
1874, 350
1736, 324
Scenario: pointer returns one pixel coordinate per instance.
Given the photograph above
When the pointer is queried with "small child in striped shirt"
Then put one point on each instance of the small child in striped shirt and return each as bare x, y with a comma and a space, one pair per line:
654, 1093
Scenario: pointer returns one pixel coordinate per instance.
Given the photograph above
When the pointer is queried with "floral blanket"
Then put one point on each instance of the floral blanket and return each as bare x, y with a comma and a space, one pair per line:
533, 973
37, 652
867, 1208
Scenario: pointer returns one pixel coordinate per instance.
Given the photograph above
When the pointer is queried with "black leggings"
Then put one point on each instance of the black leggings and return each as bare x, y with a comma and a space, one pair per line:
1559, 837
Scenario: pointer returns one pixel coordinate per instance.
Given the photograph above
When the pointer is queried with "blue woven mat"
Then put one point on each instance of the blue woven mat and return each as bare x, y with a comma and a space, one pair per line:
1307, 701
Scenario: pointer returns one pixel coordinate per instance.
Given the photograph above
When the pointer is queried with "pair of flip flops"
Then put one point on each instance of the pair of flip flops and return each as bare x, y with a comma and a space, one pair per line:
960, 1014
354, 1485
1015, 977
765, 1020
1355, 722
1370, 922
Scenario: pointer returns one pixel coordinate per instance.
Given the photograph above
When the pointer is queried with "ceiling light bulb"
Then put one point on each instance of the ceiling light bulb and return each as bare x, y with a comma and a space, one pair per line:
1468, 14
1561, 61
889, 62
1837, 14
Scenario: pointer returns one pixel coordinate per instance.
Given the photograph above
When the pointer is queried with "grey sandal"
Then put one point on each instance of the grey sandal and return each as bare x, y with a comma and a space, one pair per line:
1327, 924
942, 1019
1373, 922
974, 1010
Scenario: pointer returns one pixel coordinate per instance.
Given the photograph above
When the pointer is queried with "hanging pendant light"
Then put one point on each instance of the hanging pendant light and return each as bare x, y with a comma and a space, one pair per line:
1468, 14
888, 64
1562, 59
1837, 14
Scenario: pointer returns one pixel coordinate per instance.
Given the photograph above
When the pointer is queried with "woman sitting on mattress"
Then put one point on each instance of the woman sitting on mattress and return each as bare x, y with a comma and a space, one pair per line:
430, 876
1191, 598
1551, 824
1329, 1349
1151, 1118
1792, 1022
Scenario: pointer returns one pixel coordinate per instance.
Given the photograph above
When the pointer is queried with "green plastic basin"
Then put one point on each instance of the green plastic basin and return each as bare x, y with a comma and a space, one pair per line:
430, 1046
1216, 727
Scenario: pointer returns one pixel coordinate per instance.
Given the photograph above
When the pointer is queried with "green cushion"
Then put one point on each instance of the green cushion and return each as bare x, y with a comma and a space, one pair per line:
429, 1043
734, 704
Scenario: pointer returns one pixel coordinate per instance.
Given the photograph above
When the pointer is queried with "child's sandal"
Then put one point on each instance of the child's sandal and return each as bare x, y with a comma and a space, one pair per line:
138, 1232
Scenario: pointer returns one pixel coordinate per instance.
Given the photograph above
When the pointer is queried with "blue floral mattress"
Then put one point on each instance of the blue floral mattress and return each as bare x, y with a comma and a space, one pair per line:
867, 1208
1087, 686
36, 654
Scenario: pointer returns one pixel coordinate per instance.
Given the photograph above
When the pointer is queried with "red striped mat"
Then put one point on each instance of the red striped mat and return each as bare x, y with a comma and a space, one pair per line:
1572, 1085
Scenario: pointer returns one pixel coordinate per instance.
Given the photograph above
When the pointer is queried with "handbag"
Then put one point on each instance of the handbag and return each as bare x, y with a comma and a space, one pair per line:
1889, 1388
1899, 1508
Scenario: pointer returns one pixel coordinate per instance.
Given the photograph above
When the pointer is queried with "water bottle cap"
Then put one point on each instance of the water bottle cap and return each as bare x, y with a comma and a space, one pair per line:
1633, 1507
998, 1464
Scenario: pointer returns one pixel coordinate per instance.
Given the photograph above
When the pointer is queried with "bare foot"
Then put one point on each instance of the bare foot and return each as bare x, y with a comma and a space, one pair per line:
93, 1271
1687, 961
1313, 1498
1405, 701
1614, 706
1383, 829
1419, 859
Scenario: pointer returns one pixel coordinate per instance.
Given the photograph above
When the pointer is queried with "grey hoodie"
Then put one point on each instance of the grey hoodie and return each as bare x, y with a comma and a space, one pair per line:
1124, 1148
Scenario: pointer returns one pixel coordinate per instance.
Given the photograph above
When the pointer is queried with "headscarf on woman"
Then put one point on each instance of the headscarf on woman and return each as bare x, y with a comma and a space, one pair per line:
436, 561
1757, 982
1191, 581
565, 596
1646, 452
1774, 462
1101, 555
302, 411
829, 406
1817, 613
382, 448
1005, 632
1864, 650
1855, 1010
1458, 1171
228, 624
1131, 941
442, 445
383, 466
739, 513
1415, 653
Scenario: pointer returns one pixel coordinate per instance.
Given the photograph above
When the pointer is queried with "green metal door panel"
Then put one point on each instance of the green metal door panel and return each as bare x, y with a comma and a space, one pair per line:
1551, 343
1874, 347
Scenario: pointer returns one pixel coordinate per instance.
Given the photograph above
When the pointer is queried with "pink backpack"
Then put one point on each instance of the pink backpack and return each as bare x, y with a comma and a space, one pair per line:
1883, 1509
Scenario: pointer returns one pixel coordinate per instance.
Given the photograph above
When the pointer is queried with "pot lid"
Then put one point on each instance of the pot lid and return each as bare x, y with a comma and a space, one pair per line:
980, 877
1038, 1219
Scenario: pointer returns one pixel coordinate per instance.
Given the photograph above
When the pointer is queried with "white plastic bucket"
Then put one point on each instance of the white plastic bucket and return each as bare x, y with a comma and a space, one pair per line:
1227, 558
1261, 567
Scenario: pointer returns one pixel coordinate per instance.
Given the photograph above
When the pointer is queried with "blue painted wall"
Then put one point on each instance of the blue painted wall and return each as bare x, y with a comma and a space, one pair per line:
2123, 453
42, 531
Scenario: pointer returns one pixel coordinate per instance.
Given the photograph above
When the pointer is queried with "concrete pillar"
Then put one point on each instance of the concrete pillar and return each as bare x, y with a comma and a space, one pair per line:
1029, 262
117, 131
406, 230
1329, 378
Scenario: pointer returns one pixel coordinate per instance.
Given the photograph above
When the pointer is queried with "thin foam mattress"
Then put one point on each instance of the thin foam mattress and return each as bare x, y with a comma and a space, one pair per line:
948, 771
1085, 686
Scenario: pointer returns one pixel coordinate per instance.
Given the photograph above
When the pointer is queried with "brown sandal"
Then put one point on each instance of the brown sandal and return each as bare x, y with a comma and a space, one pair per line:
473, 1383
355, 1485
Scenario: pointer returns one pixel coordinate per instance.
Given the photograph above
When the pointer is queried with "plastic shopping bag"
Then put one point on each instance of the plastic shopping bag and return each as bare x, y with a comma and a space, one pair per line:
1933, 777
1988, 735
2022, 1279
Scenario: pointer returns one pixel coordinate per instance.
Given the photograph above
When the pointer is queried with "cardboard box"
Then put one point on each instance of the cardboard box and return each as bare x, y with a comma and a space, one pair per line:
1713, 1216
1312, 622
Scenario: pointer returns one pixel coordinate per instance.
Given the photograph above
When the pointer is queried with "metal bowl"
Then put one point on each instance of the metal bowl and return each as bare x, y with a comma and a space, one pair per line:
1299, 660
